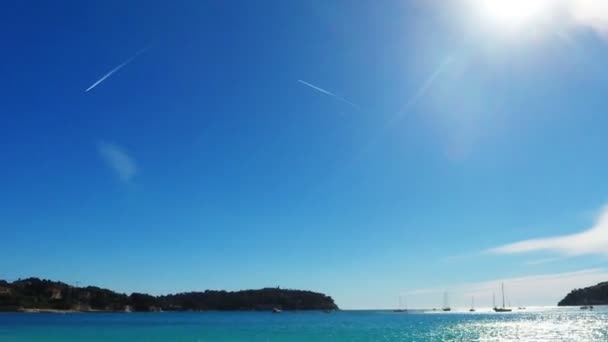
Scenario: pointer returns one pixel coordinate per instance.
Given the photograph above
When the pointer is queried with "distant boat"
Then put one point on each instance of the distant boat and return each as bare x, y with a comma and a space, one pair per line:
521, 308
276, 310
400, 308
503, 308
472, 309
446, 304
587, 306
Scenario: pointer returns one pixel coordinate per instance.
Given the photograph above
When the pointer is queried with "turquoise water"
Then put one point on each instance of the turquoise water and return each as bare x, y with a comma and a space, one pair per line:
530, 325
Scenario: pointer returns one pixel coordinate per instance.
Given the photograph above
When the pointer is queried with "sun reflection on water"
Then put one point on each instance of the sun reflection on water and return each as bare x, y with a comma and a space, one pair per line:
548, 326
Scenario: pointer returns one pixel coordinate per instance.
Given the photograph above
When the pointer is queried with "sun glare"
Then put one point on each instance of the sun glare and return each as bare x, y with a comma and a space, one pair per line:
511, 13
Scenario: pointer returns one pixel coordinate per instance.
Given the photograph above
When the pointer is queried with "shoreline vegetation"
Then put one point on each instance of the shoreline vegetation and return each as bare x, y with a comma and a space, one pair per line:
34, 295
592, 295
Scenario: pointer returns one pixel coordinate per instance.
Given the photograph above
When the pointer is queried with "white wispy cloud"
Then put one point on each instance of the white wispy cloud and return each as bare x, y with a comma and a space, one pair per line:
118, 160
326, 92
541, 289
120, 66
591, 241
542, 261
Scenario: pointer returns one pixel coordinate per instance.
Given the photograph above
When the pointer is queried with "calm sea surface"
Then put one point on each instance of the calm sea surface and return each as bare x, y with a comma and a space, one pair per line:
529, 325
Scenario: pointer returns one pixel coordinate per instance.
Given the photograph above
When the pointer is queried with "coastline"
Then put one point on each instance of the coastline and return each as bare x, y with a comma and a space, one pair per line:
45, 311
35, 295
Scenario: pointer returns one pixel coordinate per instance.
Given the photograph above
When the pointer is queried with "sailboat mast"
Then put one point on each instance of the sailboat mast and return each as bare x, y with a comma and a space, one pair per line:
493, 299
502, 288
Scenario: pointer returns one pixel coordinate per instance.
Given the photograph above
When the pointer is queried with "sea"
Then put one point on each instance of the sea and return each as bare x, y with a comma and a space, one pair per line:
532, 324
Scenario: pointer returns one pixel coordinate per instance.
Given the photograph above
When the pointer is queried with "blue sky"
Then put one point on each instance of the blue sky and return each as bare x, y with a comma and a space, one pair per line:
438, 136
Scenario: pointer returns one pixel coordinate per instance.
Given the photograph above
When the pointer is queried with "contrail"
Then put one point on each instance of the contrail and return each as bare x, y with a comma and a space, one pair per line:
120, 66
329, 93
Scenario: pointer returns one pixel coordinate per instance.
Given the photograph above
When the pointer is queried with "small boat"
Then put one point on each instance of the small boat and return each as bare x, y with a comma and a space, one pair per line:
503, 308
521, 308
587, 306
400, 309
446, 304
276, 310
472, 309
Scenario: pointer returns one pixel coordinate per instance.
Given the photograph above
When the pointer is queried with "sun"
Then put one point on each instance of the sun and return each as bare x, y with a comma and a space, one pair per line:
510, 14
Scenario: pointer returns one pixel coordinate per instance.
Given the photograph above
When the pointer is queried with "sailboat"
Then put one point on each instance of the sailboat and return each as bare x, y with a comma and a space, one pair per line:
446, 305
503, 308
400, 309
587, 306
472, 309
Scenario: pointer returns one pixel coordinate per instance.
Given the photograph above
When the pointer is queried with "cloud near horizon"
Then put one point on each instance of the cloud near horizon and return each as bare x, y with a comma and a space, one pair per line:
118, 160
591, 241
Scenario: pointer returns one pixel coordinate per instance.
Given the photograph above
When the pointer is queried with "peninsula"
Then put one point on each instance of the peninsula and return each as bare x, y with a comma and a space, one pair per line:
42, 295
592, 295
